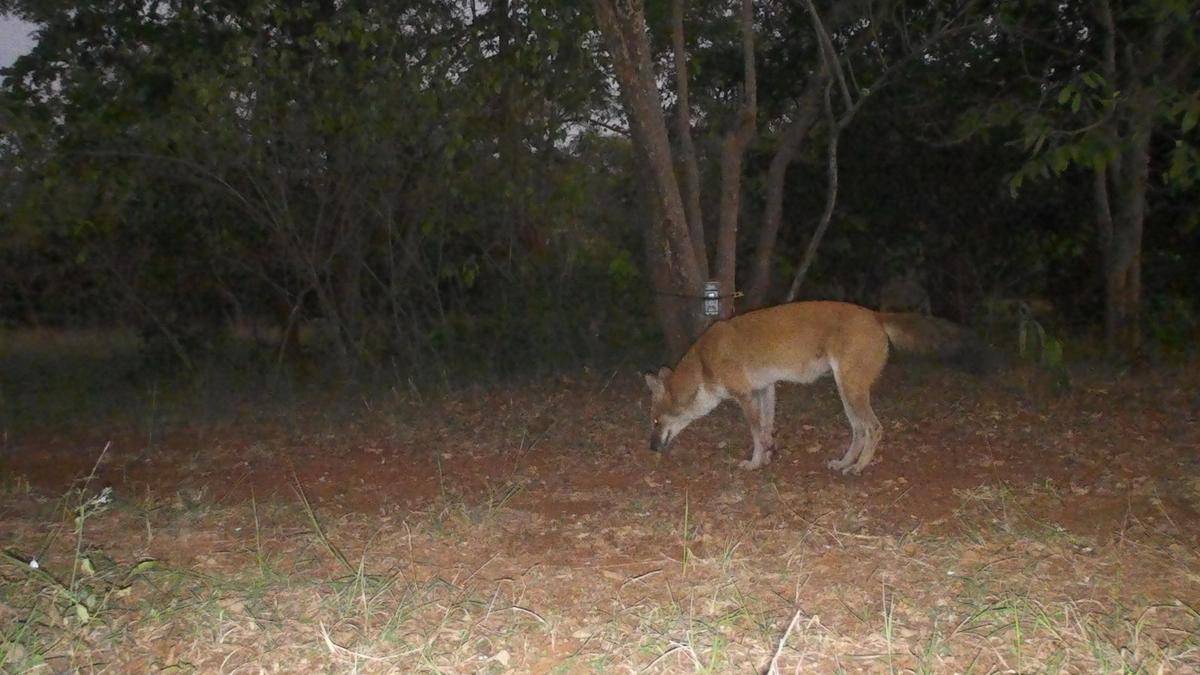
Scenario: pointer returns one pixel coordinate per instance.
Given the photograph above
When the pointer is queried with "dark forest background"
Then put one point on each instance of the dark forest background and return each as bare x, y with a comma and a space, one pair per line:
451, 188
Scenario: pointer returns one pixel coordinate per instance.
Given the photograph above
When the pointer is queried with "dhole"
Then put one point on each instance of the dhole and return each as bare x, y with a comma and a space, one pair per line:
742, 358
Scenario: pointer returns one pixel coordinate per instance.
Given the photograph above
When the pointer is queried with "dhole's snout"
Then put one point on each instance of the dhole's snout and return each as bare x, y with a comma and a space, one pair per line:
659, 441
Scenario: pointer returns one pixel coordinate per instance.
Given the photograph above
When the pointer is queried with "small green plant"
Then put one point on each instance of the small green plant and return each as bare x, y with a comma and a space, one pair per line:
15, 485
686, 556
1172, 322
889, 627
66, 602
1047, 353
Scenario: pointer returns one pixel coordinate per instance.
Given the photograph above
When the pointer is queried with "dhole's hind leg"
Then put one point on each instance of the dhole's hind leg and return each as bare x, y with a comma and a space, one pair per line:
867, 432
766, 401
755, 409
851, 454
854, 384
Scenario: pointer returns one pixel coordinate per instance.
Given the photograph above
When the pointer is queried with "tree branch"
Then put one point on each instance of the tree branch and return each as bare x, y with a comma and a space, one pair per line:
810, 253
803, 119
833, 64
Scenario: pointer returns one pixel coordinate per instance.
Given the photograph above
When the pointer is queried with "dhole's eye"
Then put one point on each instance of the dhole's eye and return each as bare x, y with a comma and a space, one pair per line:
654, 421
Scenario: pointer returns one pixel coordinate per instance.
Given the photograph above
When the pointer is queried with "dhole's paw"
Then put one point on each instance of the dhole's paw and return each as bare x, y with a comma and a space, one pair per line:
752, 464
847, 469
838, 465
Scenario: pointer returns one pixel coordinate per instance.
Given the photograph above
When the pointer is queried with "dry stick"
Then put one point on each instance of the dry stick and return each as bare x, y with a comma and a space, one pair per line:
476, 571
524, 610
637, 578
320, 532
335, 648
82, 517
773, 668
814, 523
408, 530
821, 643
675, 647
1125, 520
1157, 501
610, 380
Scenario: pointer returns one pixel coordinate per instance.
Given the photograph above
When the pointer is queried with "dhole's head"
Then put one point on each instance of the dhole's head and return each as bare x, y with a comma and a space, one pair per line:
667, 417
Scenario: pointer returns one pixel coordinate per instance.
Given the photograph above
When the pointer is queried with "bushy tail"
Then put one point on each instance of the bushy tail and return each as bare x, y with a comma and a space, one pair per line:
938, 337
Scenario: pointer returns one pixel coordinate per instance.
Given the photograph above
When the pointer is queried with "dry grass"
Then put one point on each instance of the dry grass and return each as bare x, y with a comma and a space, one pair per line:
510, 542
283, 586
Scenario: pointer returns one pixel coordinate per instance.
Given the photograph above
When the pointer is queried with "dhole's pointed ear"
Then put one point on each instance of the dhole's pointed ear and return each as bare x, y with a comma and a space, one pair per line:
655, 381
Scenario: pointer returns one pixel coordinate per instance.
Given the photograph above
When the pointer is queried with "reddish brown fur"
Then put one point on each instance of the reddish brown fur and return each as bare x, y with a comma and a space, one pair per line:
744, 357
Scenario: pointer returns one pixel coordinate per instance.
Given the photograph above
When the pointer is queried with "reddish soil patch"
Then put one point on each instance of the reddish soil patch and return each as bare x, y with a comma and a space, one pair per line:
571, 446
528, 528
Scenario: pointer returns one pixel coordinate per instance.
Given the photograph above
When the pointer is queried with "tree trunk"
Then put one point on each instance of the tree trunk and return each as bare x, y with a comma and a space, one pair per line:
670, 242
687, 149
1122, 295
1121, 241
677, 315
802, 122
1126, 179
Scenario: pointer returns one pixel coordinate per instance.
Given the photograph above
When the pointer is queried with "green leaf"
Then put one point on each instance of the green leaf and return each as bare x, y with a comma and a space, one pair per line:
621, 269
470, 272
1059, 160
144, 566
1014, 184
1191, 117
1052, 353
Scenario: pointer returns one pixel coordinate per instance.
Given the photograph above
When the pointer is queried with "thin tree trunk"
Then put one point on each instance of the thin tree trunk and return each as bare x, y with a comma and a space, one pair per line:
833, 67
289, 341
133, 297
810, 253
28, 303
1121, 245
733, 151
803, 120
1123, 275
687, 149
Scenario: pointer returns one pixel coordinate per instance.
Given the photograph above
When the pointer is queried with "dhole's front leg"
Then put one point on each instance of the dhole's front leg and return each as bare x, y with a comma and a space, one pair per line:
766, 399
759, 410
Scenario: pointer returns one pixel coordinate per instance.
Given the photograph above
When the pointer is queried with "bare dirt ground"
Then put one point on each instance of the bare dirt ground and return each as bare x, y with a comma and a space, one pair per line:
526, 528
